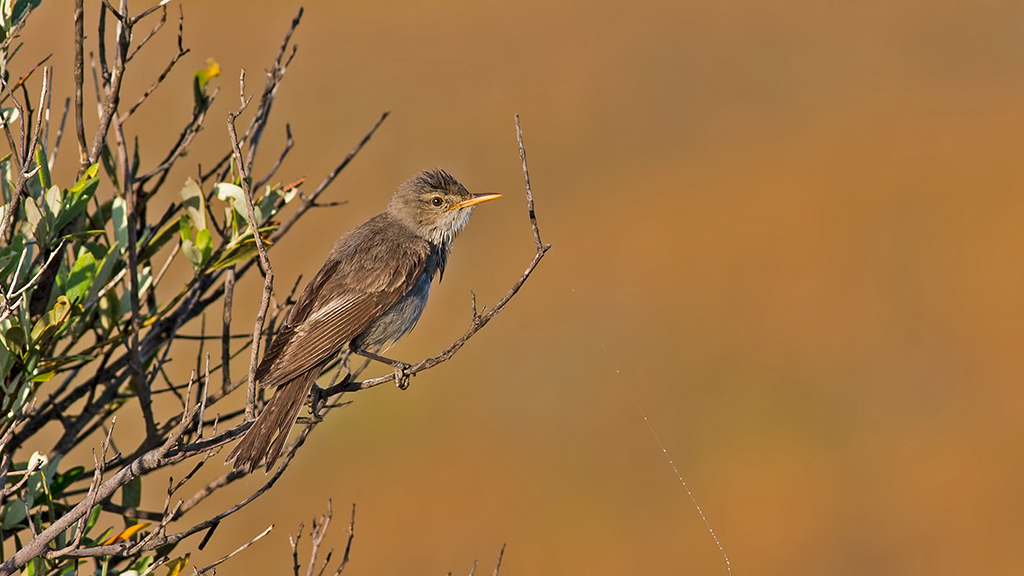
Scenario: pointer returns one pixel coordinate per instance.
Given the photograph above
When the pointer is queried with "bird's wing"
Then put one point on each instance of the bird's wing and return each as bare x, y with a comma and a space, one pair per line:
340, 303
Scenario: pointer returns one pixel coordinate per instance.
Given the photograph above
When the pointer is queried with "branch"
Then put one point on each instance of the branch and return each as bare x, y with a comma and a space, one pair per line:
83, 148
310, 201
274, 76
26, 153
114, 86
237, 550
167, 69
268, 283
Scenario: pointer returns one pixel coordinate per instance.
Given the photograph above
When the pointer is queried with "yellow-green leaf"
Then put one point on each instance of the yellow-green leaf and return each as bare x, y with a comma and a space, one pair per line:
174, 567
194, 203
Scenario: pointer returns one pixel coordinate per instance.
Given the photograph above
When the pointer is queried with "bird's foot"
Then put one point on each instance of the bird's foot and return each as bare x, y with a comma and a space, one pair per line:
316, 402
402, 374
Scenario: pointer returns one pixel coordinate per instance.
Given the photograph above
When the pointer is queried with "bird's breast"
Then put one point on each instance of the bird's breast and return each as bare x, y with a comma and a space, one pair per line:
398, 320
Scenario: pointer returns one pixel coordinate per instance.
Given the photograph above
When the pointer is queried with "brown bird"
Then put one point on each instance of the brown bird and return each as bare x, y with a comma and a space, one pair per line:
369, 293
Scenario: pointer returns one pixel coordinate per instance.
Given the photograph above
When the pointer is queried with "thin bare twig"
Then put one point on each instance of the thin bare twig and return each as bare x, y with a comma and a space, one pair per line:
310, 201
26, 153
348, 546
317, 533
156, 28
254, 226
83, 147
273, 170
132, 208
237, 550
225, 339
501, 554
60, 134
113, 84
167, 70
274, 76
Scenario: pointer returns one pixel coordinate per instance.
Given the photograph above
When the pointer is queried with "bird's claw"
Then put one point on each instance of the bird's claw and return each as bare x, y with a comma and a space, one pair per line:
402, 374
316, 402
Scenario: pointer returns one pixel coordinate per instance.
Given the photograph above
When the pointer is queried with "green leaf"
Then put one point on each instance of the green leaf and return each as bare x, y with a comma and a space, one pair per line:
78, 197
18, 10
81, 277
44, 168
43, 377
161, 238
241, 249
174, 567
188, 247
141, 564
236, 197
53, 203
136, 160
131, 493
94, 516
204, 242
7, 257
110, 259
37, 220
14, 513
194, 203
8, 115
119, 216
6, 361
52, 319
144, 280
15, 338
62, 481
87, 179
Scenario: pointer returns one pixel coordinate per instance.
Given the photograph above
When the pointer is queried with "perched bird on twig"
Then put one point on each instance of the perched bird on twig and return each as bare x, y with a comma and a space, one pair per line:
369, 293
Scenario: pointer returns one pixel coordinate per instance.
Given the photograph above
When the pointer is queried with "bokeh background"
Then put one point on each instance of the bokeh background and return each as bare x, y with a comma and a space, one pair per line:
788, 232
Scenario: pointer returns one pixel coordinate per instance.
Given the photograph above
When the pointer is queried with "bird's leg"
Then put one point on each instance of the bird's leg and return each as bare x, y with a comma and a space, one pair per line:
401, 368
316, 402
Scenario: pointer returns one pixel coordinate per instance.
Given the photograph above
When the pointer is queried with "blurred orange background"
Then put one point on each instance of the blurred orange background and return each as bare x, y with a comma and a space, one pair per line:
787, 232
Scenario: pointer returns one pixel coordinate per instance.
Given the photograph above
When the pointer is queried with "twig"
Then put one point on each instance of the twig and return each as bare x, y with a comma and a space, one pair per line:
274, 76
27, 151
159, 80
156, 28
60, 134
113, 85
317, 533
202, 405
348, 546
310, 201
273, 170
83, 148
237, 550
225, 338
28, 472
501, 554
294, 542
135, 19
268, 282
132, 209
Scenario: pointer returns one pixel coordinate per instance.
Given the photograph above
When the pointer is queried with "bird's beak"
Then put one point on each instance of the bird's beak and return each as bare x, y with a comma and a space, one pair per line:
476, 199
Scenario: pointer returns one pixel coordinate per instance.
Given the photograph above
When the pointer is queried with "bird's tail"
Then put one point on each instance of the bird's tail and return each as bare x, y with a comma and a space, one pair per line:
265, 439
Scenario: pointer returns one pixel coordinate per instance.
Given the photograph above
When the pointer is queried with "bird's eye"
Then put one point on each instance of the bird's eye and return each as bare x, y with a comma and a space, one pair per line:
436, 201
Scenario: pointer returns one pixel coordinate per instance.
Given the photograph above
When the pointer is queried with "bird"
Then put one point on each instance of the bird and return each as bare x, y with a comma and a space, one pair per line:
369, 293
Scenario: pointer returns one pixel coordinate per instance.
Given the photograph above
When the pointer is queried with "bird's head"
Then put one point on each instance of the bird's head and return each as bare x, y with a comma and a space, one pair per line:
434, 205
